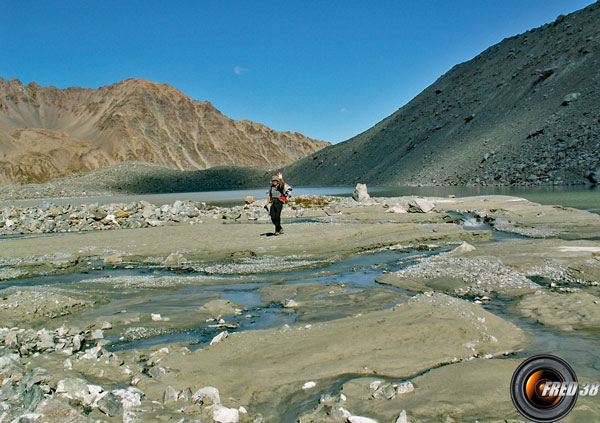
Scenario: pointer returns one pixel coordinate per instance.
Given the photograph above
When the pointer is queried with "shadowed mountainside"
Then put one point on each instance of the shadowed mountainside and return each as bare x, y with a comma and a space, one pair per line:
46, 132
526, 111
128, 178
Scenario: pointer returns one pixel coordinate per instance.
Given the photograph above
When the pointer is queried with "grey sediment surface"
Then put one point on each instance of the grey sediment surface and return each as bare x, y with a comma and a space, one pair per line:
205, 317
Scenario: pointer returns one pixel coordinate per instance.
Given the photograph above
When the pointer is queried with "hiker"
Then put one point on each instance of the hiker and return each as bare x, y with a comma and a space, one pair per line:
278, 193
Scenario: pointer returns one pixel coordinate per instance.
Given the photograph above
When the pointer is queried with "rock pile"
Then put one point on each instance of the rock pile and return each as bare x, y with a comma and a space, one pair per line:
67, 341
49, 217
83, 381
33, 394
55, 218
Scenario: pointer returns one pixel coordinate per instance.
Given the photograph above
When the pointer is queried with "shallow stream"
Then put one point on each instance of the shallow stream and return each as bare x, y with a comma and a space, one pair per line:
580, 348
190, 289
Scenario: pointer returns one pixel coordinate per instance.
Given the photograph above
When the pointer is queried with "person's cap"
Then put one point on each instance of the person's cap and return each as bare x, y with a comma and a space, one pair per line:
275, 178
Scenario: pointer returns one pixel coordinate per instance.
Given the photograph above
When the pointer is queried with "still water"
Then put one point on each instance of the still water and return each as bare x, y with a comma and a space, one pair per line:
581, 197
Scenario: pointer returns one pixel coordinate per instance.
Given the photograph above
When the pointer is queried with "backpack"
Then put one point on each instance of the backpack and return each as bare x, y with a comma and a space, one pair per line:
287, 190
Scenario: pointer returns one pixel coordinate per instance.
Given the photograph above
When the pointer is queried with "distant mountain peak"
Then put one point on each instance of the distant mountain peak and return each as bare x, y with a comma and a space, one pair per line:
46, 132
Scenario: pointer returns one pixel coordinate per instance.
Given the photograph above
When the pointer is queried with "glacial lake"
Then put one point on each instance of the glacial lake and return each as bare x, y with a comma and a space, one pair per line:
581, 197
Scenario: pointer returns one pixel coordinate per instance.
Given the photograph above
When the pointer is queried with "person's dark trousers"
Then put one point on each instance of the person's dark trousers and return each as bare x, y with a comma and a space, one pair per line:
276, 213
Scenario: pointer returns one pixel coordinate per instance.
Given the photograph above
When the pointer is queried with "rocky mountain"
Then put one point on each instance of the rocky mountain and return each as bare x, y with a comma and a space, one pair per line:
525, 111
46, 132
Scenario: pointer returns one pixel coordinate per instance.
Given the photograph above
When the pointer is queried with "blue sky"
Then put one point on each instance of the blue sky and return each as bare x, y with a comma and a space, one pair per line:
327, 69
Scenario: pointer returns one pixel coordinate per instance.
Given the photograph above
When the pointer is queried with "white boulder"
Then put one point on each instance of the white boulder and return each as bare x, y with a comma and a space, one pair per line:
219, 338
360, 193
207, 394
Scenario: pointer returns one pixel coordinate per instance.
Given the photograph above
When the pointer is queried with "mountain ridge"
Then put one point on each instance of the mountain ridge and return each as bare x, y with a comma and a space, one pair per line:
47, 132
523, 112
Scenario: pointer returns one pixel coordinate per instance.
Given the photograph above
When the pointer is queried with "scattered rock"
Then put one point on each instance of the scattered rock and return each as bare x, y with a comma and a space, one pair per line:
110, 404
223, 414
75, 389
396, 209
333, 210
340, 413
207, 395
360, 419
248, 199
420, 205
375, 384
219, 338
465, 247
289, 304
170, 395
157, 372
31, 398
216, 308
56, 411
402, 418
97, 334
174, 259
116, 258
569, 98
46, 340
404, 388
185, 395
386, 392
594, 176
309, 385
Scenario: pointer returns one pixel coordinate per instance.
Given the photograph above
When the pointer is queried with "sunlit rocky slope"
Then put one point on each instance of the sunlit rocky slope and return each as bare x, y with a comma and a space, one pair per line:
46, 132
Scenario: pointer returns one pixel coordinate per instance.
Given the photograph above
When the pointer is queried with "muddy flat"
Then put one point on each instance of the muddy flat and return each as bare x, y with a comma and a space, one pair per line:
359, 309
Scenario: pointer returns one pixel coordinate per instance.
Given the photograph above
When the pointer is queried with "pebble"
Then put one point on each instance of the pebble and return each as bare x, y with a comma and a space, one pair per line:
375, 384
360, 419
402, 418
404, 388
170, 395
208, 394
386, 392
110, 404
290, 304
309, 385
219, 338
223, 414
340, 413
